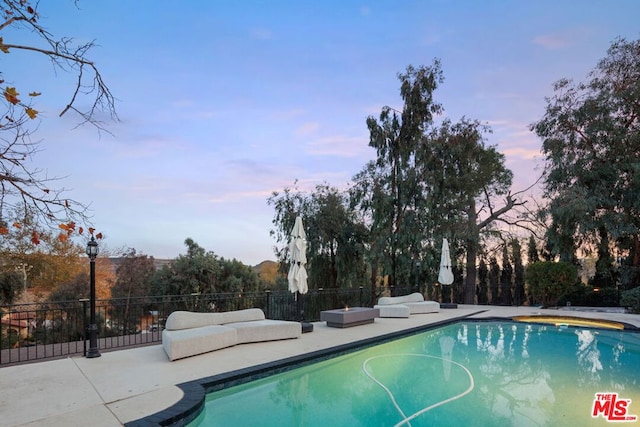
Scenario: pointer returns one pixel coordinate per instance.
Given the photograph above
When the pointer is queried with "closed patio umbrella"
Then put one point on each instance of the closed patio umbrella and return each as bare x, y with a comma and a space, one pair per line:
297, 270
298, 254
445, 276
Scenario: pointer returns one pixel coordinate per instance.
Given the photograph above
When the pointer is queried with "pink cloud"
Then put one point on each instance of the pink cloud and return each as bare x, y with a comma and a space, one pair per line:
341, 146
307, 128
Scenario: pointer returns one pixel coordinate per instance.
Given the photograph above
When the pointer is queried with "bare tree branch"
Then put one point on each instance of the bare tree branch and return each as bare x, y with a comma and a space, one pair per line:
25, 188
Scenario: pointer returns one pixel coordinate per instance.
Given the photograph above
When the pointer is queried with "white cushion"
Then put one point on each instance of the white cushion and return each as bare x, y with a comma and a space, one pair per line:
188, 320
247, 315
423, 307
414, 297
266, 330
393, 310
189, 342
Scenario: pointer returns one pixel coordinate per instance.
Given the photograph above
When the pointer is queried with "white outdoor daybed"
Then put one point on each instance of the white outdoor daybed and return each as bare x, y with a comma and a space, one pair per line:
188, 334
403, 306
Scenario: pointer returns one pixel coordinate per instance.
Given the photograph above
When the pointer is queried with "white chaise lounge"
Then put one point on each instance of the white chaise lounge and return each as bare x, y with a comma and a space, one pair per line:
188, 334
403, 306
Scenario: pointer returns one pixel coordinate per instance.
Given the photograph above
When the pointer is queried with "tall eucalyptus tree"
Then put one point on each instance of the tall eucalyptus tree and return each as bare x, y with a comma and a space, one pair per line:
466, 178
429, 182
388, 189
591, 143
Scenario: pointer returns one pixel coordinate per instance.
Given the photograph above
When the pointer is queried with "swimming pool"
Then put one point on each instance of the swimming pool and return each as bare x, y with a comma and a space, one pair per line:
468, 373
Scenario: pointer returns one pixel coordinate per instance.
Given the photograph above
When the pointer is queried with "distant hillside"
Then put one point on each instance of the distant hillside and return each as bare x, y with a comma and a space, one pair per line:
157, 263
267, 271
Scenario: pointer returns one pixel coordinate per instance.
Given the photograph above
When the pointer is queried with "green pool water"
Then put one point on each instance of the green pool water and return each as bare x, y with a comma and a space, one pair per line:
464, 374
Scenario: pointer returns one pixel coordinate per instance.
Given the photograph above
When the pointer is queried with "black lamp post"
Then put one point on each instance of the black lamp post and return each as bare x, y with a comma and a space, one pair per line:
92, 252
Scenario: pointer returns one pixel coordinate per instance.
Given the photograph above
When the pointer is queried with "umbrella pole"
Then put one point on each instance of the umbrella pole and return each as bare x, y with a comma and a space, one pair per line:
306, 326
299, 309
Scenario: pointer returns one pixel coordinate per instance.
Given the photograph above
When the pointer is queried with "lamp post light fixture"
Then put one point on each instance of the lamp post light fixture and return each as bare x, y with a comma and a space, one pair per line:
92, 253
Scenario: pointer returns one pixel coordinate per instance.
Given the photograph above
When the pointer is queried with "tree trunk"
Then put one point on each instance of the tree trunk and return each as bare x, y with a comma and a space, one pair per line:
470, 271
334, 268
472, 254
473, 242
636, 260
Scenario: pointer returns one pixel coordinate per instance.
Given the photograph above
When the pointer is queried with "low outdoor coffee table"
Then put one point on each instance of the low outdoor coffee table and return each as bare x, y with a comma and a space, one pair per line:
347, 317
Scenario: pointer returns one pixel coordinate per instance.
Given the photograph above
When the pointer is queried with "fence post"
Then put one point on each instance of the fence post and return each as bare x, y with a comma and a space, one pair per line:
85, 327
268, 305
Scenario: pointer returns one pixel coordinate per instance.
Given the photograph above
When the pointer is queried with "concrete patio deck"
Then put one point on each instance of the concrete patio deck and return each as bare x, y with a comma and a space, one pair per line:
126, 385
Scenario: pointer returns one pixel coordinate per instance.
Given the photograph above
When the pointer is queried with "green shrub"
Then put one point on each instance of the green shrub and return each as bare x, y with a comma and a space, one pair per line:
577, 295
549, 281
583, 295
631, 299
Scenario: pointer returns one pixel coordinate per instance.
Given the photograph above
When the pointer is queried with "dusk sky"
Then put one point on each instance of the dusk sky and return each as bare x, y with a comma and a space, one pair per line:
223, 102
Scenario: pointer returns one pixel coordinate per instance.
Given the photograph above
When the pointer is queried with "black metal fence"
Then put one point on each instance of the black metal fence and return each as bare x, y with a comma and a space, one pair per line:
31, 332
